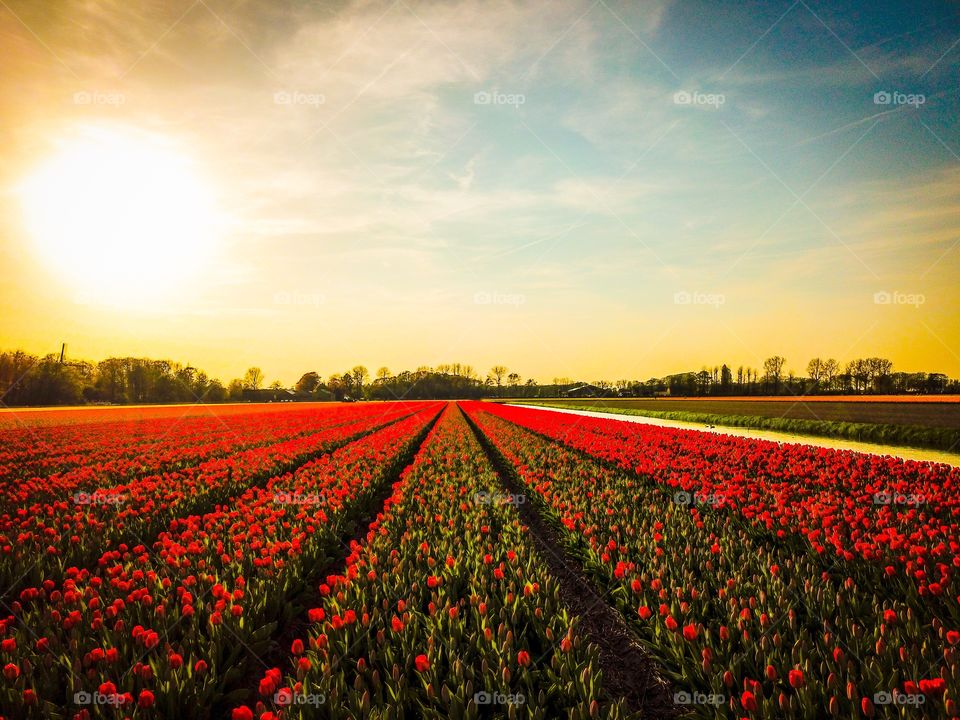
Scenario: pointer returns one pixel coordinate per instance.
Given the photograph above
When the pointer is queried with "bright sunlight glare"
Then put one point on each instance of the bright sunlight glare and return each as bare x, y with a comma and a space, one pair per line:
120, 215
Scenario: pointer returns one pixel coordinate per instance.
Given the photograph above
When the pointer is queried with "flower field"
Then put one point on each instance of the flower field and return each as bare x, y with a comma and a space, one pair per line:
466, 560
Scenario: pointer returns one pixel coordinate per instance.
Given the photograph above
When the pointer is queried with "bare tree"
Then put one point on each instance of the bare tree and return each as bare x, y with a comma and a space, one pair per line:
815, 370
496, 375
773, 369
830, 369
253, 378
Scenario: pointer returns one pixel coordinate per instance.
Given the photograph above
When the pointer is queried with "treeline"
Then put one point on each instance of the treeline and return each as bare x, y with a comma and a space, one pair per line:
442, 382
27, 379
872, 375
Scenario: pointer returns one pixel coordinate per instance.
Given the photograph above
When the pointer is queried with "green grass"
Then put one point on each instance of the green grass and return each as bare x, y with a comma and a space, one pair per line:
907, 435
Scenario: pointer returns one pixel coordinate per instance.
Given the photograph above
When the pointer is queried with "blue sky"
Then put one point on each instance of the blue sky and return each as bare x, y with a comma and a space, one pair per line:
551, 229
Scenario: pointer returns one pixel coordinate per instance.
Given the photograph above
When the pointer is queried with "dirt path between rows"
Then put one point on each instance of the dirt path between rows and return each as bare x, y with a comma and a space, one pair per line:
627, 670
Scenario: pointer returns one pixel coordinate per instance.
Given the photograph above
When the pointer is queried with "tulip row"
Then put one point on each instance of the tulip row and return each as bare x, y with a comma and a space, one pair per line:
903, 515
44, 540
115, 455
169, 630
750, 621
29, 450
40, 452
444, 611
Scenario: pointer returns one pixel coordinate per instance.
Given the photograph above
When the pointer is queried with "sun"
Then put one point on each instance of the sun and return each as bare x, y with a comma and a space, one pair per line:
120, 214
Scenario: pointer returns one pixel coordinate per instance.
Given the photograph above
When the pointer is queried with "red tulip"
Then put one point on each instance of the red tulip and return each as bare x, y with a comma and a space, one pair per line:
422, 663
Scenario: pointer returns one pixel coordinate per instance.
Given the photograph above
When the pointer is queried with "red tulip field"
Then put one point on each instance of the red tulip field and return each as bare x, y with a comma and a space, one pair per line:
466, 560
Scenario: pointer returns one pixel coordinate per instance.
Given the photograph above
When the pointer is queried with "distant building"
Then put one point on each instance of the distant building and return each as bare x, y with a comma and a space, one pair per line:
584, 391
269, 395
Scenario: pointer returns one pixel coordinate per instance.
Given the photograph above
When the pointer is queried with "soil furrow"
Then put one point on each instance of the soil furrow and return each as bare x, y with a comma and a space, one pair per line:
628, 671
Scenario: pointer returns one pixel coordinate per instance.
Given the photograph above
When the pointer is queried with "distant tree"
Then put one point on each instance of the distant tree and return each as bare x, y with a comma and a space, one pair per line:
879, 369
360, 375
859, 374
726, 379
383, 374
773, 369
815, 370
496, 375
253, 378
307, 383
513, 379
235, 390
276, 385
337, 386
215, 392
829, 371
703, 382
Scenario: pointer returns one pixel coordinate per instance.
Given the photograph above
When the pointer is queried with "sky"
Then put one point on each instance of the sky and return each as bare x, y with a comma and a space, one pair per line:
575, 189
